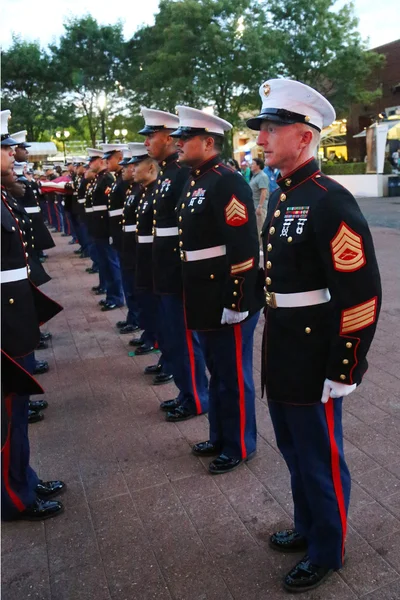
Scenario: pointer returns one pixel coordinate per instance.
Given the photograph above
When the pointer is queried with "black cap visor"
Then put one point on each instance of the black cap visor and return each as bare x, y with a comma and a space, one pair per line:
278, 115
137, 159
7, 140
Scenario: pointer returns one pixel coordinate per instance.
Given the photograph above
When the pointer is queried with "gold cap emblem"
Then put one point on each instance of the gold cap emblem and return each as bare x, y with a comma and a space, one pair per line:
307, 118
288, 182
266, 90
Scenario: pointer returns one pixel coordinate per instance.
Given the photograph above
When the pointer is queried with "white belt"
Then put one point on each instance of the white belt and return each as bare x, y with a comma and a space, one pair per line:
100, 207
14, 275
145, 239
81, 200
298, 299
129, 228
32, 209
204, 254
166, 231
116, 212
88, 209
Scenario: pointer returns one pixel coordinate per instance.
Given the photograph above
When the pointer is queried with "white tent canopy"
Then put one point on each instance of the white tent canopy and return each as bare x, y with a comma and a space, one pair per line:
42, 149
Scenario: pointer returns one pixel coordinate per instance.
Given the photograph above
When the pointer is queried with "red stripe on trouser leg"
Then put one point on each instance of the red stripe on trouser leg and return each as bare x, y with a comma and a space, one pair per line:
239, 370
19, 505
335, 465
192, 363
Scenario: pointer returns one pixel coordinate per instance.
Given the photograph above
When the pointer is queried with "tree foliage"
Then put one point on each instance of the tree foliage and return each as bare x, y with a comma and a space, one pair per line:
89, 60
198, 52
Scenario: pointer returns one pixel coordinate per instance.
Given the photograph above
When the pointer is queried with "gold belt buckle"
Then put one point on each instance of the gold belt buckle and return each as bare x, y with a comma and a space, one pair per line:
271, 300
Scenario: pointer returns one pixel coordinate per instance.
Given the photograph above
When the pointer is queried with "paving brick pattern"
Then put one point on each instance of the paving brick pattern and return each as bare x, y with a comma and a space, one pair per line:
144, 520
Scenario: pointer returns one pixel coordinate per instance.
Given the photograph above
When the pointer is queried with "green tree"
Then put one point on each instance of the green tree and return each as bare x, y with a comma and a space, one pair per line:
30, 90
202, 52
321, 46
89, 59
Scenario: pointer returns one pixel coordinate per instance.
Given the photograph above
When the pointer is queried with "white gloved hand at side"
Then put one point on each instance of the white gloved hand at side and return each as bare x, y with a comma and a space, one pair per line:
230, 317
335, 389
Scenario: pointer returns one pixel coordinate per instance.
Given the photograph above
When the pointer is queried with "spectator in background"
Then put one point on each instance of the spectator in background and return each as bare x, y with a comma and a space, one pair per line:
245, 170
259, 184
234, 164
272, 175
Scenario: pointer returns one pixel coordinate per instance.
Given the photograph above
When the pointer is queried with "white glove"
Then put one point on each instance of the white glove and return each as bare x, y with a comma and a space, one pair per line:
230, 317
334, 389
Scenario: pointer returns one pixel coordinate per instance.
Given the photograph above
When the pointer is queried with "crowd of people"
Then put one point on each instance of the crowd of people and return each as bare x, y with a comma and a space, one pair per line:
174, 233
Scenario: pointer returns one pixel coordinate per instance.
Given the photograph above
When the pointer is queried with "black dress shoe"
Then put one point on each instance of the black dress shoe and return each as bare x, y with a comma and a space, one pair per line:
41, 366
110, 306
128, 329
205, 449
96, 288
168, 405
143, 349
225, 464
65, 235
102, 302
162, 378
305, 576
136, 342
288, 540
72, 242
84, 255
120, 324
153, 369
45, 336
91, 270
100, 292
38, 405
47, 489
42, 345
34, 416
41, 509
79, 251
179, 414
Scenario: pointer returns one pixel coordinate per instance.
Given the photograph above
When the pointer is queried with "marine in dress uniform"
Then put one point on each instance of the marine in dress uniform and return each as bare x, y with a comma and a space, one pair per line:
145, 174
77, 207
323, 297
24, 307
219, 253
181, 347
30, 200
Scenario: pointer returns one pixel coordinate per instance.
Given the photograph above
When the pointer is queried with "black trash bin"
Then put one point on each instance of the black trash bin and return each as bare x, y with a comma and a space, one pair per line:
394, 185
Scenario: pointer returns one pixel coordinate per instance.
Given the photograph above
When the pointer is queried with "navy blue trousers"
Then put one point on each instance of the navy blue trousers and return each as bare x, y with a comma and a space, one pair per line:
311, 441
82, 235
148, 316
18, 479
110, 271
128, 284
183, 354
229, 358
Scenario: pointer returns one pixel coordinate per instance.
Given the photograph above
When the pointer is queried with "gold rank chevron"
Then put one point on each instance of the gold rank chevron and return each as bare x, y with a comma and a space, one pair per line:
347, 250
358, 317
243, 266
235, 212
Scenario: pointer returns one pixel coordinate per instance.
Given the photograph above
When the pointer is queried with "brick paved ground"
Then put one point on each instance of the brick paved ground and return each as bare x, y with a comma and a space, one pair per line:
143, 518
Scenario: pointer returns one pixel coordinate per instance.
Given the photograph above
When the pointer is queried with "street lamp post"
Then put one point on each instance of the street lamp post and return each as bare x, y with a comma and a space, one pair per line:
120, 134
63, 136
102, 104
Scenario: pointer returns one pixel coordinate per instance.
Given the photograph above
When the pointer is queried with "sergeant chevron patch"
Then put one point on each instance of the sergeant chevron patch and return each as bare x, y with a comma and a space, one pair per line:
246, 265
236, 212
347, 250
358, 317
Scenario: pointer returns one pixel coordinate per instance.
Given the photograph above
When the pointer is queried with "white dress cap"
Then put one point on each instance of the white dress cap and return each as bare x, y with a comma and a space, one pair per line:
108, 148
94, 153
286, 101
195, 121
137, 148
156, 120
20, 137
19, 167
78, 160
6, 139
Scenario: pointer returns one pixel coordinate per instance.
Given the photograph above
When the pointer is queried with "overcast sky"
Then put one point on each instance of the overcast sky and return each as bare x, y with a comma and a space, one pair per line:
44, 22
